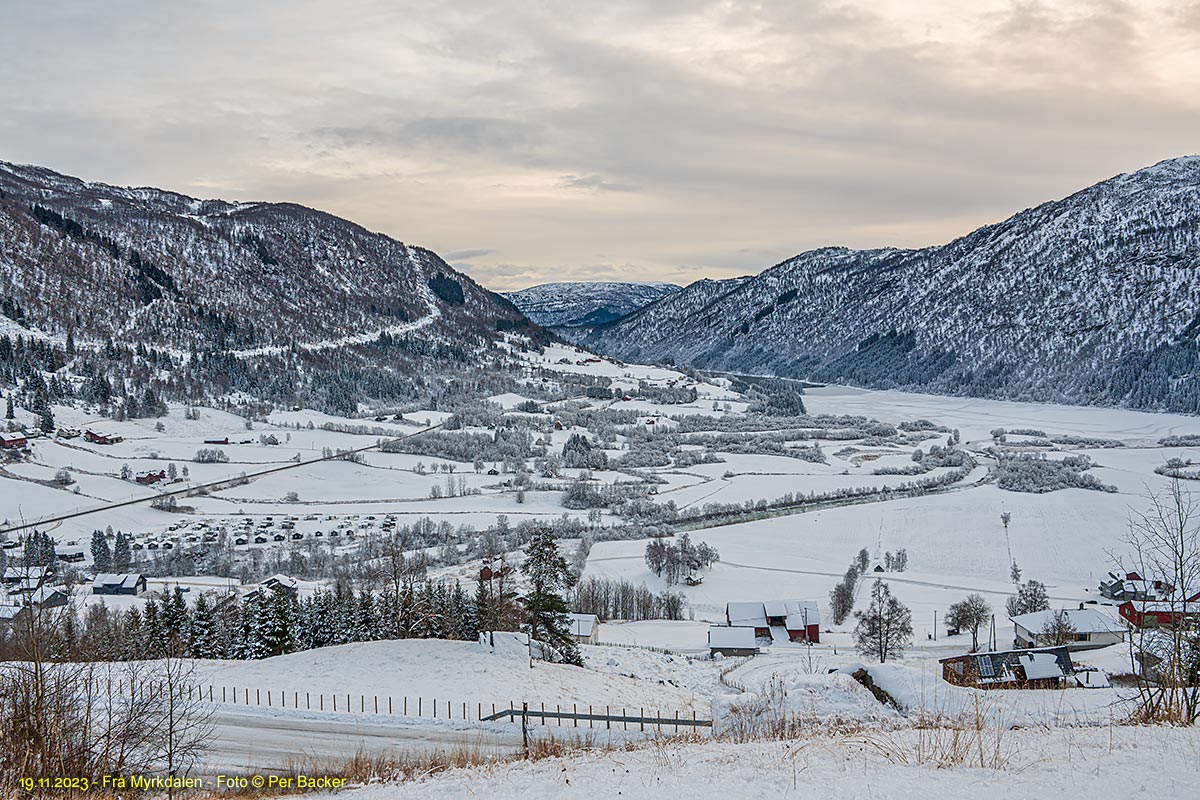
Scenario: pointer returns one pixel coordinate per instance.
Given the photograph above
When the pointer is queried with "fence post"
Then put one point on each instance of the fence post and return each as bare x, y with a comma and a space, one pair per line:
389, 705
575, 713
624, 718
307, 702
335, 701
543, 713
376, 704
643, 720
591, 721
418, 706
525, 729
607, 718
258, 697
406, 705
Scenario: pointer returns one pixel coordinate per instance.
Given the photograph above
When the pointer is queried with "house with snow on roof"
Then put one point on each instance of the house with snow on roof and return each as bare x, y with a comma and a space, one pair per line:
1046, 668
119, 583
782, 620
1093, 629
731, 641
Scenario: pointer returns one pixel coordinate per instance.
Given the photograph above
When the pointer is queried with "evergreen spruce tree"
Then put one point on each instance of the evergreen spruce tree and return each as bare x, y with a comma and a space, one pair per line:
153, 633
550, 578
466, 627
174, 616
202, 630
8, 410
120, 553
131, 642
102, 556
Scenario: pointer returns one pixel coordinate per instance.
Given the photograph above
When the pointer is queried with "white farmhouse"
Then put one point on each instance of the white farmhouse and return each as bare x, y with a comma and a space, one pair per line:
1093, 629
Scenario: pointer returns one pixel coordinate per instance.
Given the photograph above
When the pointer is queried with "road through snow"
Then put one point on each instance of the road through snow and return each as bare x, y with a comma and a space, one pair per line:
245, 740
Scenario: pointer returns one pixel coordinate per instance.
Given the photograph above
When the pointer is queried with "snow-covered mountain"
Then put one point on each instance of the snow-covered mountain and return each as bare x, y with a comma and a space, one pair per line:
585, 304
174, 271
1093, 299
269, 298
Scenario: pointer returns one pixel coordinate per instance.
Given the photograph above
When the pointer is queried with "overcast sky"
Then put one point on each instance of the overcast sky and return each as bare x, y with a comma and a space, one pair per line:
531, 141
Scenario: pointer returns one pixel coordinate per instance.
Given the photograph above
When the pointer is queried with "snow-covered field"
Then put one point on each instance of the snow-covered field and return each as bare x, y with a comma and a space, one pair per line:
954, 538
1101, 764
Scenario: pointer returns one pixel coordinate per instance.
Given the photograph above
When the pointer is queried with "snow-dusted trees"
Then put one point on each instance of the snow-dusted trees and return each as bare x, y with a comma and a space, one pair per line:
120, 553
101, 553
969, 615
210, 455
620, 599
884, 630
1030, 597
1032, 472
896, 562
1058, 629
550, 578
579, 453
841, 597
680, 560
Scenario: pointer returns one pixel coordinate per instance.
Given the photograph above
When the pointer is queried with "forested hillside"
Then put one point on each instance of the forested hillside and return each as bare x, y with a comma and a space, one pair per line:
1094, 299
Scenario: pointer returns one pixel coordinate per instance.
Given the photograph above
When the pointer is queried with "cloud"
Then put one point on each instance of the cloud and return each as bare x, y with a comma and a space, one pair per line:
672, 140
465, 255
596, 182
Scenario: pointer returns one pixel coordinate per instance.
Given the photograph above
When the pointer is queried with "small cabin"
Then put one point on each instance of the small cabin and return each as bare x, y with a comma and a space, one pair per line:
729, 641
119, 583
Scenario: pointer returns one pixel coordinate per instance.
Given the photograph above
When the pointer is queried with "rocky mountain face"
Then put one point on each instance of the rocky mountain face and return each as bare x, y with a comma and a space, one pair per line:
270, 291
584, 304
1093, 299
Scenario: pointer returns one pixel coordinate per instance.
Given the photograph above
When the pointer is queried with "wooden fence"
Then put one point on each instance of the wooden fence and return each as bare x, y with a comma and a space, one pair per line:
575, 715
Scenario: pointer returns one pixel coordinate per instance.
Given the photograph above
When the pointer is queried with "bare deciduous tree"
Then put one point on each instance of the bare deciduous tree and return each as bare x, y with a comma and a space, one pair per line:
1164, 544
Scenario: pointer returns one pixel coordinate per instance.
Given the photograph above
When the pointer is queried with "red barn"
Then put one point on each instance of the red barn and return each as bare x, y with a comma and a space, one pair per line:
793, 620
13, 441
1161, 613
151, 477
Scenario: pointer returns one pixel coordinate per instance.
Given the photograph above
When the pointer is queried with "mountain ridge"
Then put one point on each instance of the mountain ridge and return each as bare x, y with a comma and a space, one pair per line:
1075, 300
579, 304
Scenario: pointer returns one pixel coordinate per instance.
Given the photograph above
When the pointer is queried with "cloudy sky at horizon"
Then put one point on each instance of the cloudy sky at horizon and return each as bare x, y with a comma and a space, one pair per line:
535, 141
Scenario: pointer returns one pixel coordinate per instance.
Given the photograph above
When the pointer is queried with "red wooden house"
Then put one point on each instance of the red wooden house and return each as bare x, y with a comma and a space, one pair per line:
797, 620
151, 477
1162, 613
100, 438
13, 441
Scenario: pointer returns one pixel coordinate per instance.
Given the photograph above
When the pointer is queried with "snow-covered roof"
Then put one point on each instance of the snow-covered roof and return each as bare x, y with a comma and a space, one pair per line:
746, 615
1083, 620
802, 613
582, 624
124, 580
730, 636
21, 573
1039, 666
797, 613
